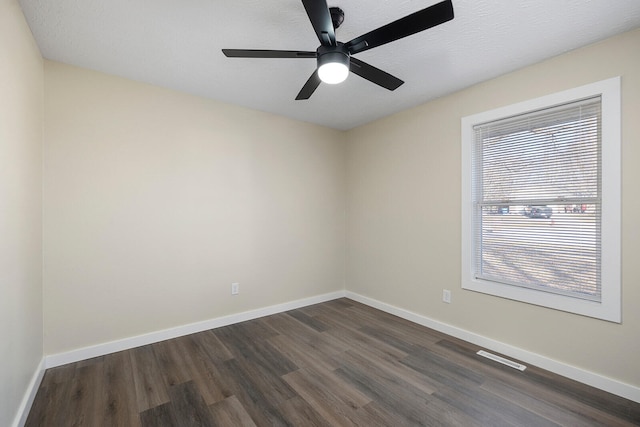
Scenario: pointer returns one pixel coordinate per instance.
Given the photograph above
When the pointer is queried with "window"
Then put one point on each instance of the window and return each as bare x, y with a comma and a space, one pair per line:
541, 201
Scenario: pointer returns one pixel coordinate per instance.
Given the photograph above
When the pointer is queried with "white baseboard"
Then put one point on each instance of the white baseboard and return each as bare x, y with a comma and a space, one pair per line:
610, 385
59, 359
29, 396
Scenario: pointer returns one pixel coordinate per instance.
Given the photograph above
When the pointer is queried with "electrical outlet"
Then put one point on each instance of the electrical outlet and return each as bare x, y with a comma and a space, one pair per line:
446, 296
235, 288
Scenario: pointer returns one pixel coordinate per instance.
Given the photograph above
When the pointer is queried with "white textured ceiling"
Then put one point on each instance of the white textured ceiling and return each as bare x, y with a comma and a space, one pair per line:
176, 44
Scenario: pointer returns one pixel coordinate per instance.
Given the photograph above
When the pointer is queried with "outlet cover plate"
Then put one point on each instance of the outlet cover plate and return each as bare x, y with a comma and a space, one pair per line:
446, 296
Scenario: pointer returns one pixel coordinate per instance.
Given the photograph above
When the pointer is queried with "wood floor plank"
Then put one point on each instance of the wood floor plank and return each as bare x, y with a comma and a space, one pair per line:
442, 370
417, 334
85, 403
490, 409
548, 409
448, 415
60, 374
254, 394
189, 407
388, 391
355, 340
392, 369
287, 325
202, 369
39, 409
593, 398
300, 413
302, 354
119, 407
339, 318
159, 416
245, 333
213, 346
273, 388
391, 338
230, 412
301, 333
171, 362
151, 390
311, 322
269, 357
375, 414
334, 399
50, 406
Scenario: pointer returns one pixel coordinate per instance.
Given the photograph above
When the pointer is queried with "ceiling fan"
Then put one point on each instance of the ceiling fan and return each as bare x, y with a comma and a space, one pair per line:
334, 60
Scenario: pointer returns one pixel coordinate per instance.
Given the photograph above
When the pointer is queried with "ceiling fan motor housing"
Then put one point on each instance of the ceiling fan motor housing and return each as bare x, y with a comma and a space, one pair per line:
327, 54
333, 63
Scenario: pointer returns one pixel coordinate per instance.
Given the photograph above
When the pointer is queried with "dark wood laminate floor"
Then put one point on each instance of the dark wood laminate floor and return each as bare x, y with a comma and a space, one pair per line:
338, 363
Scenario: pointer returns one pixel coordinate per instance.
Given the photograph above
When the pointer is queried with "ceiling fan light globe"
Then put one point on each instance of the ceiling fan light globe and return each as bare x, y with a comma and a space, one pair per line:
333, 72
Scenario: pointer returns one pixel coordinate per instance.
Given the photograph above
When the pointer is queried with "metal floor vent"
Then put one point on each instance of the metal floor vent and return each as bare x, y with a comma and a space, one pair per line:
502, 360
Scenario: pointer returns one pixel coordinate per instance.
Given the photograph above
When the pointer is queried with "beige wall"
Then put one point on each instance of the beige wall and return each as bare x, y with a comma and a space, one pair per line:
404, 191
156, 201
21, 98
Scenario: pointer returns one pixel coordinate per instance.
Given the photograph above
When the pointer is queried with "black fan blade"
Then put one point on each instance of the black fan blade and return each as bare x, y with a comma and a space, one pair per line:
320, 18
403, 27
374, 75
259, 53
309, 87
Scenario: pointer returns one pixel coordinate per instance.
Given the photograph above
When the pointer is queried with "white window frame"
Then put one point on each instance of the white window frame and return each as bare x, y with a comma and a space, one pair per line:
609, 308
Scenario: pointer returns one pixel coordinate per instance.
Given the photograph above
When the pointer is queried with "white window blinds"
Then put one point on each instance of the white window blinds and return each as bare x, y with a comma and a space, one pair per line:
537, 200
